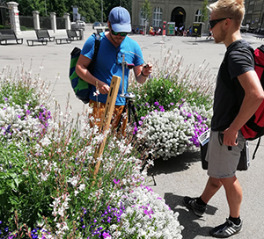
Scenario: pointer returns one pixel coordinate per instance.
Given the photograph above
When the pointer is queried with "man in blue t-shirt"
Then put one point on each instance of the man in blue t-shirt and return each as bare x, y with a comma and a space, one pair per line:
115, 47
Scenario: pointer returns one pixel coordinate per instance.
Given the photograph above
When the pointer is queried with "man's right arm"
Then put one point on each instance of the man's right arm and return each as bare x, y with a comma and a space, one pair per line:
85, 74
254, 95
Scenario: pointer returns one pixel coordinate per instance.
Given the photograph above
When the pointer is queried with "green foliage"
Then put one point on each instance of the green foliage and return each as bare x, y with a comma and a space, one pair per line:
167, 92
50, 179
20, 189
109, 4
20, 94
4, 27
205, 11
90, 9
146, 9
26, 7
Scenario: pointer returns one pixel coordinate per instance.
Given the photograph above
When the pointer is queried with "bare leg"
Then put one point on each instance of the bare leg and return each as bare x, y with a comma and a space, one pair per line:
212, 186
233, 194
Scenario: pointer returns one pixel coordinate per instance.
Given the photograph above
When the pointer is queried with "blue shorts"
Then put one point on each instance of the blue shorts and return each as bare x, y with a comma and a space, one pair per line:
223, 160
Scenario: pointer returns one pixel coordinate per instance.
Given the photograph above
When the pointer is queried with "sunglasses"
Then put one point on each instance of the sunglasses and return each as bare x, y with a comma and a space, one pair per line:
215, 21
122, 34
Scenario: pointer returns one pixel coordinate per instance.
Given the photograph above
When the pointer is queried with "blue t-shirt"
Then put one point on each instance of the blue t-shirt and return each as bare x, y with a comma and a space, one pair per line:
109, 63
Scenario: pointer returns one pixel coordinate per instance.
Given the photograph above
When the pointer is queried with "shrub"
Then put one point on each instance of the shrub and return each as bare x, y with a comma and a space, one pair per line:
170, 133
170, 83
48, 184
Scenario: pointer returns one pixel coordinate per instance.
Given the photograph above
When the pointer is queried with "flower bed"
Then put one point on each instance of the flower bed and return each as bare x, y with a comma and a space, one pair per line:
48, 186
167, 134
175, 107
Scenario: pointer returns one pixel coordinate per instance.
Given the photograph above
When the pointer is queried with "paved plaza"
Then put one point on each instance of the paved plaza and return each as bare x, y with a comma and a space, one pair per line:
177, 177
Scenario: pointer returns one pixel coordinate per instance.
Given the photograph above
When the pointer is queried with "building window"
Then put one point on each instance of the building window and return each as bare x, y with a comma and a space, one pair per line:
198, 16
157, 17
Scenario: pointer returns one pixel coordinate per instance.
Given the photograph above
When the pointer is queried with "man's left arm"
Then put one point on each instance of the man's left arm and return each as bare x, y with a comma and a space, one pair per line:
254, 95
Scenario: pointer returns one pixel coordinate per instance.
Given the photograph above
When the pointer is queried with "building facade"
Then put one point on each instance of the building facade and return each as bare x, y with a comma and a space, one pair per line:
182, 12
254, 16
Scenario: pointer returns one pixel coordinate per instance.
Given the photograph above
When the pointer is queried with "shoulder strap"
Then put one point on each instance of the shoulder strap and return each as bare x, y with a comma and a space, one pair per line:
96, 48
96, 45
257, 146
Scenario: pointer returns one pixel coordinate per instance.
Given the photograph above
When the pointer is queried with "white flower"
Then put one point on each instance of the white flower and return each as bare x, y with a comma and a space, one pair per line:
82, 187
169, 133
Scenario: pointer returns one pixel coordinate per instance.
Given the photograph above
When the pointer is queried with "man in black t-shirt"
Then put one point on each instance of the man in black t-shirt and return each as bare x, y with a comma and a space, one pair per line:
237, 96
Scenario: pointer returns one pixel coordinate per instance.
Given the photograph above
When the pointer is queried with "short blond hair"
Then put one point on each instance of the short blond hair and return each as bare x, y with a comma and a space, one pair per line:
234, 9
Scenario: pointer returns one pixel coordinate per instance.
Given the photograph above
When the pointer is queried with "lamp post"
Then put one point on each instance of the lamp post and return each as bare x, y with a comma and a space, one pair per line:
102, 9
46, 7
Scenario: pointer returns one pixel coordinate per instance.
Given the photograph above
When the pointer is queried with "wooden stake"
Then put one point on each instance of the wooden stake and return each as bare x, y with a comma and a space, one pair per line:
106, 119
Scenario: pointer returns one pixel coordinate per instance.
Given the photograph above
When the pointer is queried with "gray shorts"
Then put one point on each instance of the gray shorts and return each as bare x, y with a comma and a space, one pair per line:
223, 160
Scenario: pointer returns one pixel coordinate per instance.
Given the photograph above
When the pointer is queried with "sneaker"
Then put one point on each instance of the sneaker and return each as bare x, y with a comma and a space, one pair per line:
192, 204
226, 230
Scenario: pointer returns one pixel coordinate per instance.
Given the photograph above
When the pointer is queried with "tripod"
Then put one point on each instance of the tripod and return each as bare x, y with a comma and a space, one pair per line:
130, 110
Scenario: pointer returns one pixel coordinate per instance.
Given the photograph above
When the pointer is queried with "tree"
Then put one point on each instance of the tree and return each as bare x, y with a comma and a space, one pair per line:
58, 6
146, 12
205, 11
90, 9
109, 4
26, 7
146, 9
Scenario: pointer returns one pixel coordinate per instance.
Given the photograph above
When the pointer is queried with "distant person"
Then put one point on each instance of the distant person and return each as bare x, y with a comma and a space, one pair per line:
237, 96
114, 44
210, 36
152, 31
189, 32
158, 31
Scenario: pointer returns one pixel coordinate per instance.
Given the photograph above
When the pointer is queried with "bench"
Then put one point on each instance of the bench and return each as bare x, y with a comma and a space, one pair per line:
260, 37
7, 35
63, 40
44, 34
42, 42
72, 34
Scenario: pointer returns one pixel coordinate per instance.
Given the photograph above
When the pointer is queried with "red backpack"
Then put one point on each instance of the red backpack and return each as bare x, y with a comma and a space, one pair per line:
254, 128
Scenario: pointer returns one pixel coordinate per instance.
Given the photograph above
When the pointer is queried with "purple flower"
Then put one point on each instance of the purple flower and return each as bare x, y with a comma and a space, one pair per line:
156, 103
116, 181
106, 235
161, 108
135, 130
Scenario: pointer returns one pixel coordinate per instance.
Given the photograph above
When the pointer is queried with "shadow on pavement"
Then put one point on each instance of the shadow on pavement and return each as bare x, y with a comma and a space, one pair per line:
187, 219
176, 164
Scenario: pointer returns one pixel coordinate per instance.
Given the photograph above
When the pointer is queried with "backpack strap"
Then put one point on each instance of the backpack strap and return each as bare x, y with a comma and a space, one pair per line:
257, 146
96, 49
96, 45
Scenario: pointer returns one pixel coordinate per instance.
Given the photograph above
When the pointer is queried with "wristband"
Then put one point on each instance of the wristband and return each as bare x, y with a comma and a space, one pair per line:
143, 74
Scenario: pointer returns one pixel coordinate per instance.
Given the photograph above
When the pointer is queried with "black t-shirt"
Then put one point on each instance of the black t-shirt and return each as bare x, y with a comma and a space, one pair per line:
229, 93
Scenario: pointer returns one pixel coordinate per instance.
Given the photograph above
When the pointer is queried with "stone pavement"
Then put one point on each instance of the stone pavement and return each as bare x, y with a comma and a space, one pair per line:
177, 177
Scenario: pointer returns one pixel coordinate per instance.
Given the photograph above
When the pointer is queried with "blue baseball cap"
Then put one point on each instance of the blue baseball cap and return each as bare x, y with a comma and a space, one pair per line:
120, 21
